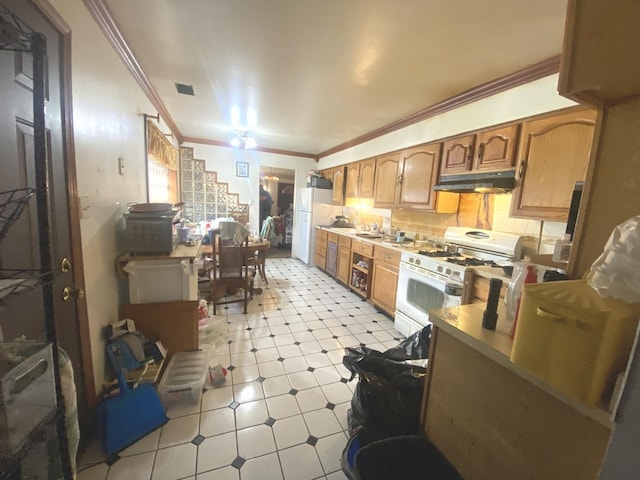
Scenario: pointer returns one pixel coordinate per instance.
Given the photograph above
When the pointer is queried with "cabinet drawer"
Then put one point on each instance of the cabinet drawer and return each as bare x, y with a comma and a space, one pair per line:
321, 234
386, 255
321, 243
344, 241
332, 237
362, 248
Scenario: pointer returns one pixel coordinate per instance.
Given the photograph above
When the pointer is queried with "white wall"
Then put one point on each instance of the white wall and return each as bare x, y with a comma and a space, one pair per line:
223, 161
107, 108
526, 100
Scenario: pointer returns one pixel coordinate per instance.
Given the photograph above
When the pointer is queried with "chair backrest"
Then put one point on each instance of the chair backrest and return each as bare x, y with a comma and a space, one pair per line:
231, 262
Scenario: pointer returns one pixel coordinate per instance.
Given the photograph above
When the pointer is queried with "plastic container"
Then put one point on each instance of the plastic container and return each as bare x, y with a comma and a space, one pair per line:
573, 339
28, 392
184, 378
453, 291
562, 249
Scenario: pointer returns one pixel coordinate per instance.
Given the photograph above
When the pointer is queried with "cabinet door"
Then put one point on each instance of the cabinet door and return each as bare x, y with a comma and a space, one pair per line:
383, 287
496, 148
353, 174
553, 154
337, 179
419, 175
457, 154
344, 264
367, 178
387, 179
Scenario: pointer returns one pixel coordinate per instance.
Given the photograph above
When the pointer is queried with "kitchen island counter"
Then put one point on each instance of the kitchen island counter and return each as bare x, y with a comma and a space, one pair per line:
491, 418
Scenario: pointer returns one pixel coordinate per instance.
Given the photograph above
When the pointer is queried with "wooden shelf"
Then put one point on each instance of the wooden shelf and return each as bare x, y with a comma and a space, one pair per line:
357, 290
360, 269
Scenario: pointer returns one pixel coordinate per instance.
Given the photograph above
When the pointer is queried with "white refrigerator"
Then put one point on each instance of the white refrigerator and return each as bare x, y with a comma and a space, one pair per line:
313, 207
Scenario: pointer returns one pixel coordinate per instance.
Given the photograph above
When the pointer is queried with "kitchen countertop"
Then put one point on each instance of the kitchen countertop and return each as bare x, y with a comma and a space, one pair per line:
411, 246
465, 324
388, 242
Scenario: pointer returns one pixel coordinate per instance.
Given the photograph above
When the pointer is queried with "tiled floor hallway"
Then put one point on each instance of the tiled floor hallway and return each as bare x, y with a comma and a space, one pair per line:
282, 413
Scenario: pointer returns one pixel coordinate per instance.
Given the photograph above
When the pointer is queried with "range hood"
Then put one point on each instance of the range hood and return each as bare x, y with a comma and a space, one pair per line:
486, 182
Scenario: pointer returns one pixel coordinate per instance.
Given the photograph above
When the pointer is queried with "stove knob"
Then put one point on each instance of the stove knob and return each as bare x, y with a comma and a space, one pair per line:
411, 260
417, 261
439, 269
447, 271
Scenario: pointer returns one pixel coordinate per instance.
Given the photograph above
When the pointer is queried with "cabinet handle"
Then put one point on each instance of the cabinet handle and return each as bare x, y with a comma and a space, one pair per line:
480, 151
522, 168
469, 155
399, 180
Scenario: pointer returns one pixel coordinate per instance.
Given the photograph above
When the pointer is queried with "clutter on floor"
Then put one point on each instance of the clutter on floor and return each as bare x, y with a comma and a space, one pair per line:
384, 419
129, 416
184, 377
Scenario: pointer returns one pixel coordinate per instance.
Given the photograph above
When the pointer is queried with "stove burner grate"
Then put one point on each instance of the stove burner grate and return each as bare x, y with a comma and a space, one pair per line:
472, 262
438, 253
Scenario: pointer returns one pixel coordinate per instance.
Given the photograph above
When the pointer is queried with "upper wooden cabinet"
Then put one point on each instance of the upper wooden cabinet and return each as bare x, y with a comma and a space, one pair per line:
337, 180
405, 179
457, 154
388, 171
600, 64
553, 155
496, 148
360, 179
492, 149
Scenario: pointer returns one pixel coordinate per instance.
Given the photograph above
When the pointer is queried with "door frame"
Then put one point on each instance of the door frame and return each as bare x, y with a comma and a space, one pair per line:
49, 12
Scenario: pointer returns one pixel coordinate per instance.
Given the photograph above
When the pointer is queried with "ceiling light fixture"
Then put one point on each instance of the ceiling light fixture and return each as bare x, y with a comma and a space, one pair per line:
244, 139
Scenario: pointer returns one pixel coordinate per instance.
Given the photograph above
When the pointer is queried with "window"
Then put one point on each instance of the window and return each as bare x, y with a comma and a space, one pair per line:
162, 167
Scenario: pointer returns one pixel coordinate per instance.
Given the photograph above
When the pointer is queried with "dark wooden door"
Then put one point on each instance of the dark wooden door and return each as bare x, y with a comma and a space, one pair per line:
20, 249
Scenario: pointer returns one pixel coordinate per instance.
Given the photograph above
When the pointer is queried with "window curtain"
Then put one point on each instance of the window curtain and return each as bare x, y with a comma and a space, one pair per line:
162, 168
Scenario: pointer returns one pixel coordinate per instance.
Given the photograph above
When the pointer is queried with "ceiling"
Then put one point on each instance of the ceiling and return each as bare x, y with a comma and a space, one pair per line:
308, 76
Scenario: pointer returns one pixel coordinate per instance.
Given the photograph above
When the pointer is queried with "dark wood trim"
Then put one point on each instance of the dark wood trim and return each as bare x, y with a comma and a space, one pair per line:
59, 24
103, 18
218, 143
526, 75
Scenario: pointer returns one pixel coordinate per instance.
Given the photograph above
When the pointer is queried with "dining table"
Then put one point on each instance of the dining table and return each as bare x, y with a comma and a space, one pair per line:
259, 246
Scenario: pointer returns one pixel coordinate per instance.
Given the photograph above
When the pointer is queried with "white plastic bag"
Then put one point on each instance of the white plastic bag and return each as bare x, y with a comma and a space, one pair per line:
616, 273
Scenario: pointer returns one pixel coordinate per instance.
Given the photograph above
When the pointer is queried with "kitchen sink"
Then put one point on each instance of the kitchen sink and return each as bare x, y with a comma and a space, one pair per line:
368, 235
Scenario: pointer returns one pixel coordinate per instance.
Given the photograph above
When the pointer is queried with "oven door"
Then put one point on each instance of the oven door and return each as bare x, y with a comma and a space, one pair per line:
418, 292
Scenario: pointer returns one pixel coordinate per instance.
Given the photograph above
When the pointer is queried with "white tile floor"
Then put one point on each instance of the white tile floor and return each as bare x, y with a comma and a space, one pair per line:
282, 413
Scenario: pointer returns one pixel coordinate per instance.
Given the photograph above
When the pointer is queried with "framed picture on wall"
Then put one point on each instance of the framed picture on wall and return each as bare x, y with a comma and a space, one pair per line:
242, 169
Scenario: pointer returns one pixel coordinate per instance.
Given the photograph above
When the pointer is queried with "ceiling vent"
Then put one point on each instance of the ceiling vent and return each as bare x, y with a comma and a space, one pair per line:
184, 89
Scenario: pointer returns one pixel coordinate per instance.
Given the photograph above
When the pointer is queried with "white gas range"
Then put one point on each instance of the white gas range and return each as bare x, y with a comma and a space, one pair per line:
423, 274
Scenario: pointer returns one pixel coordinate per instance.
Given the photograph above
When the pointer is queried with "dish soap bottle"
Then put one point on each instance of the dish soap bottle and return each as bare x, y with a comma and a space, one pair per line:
453, 291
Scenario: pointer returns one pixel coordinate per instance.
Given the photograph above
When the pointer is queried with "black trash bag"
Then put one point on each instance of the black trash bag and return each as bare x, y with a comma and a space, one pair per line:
388, 396
413, 347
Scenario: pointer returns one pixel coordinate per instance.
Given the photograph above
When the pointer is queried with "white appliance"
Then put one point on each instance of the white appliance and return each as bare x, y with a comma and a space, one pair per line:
313, 207
153, 281
424, 274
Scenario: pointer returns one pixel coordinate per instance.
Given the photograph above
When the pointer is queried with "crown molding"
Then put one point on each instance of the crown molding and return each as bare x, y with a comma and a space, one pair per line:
105, 21
520, 77
217, 143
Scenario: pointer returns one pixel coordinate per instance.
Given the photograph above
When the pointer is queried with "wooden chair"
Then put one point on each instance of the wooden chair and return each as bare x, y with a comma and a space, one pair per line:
233, 269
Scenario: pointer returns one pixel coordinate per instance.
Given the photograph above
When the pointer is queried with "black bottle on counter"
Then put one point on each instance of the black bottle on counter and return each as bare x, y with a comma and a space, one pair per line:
490, 315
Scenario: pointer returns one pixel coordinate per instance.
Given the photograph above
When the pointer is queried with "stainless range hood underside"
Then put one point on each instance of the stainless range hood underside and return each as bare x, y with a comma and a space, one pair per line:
486, 182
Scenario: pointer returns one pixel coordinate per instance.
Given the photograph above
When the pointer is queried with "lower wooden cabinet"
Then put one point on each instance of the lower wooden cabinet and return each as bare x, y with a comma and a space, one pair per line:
386, 264
344, 259
320, 256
